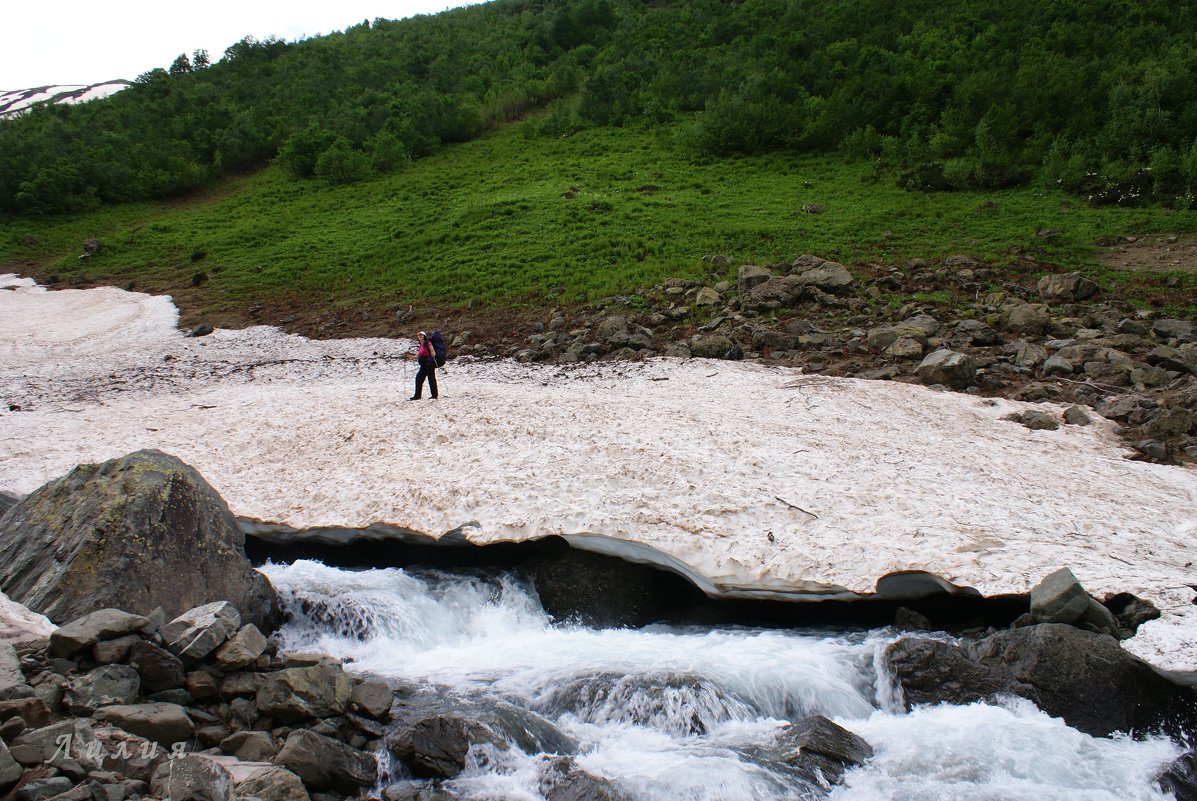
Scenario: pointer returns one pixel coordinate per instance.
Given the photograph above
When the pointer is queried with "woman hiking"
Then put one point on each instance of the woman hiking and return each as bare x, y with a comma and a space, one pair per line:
426, 358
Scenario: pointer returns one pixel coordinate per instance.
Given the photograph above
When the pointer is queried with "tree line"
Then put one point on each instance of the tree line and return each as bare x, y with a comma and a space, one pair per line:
1096, 96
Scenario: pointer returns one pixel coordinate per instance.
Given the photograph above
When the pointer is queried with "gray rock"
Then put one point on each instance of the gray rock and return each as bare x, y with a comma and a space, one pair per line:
127, 754
1055, 365
326, 764
199, 631
1059, 598
948, 367
272, 784
1180, 777
1077, 416
33, 711
1036, 420
716, 346
707, 297
1087, 679
1030, 354
296, 694
134, 533
43, 788
1174, 359
750, 276
373, 698
435, 747
48, 740
611, 328
821, 751
86, 631
828, 277
1179, 330
562, 780
905, 348
104, 686
250, 746
10, 769
193, 778
775, 293
1029, 318
107, 652
1066, 287
162, 723
978, 333
931, 672
242, 649
159, 669
594, 589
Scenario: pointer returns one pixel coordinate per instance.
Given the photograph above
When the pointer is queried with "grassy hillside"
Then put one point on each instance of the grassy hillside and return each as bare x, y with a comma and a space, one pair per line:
512, 220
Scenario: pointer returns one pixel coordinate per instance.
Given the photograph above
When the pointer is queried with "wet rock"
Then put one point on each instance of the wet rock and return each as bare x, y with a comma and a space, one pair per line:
594, 589
562, 780
931, 672
199, 631
821, 751
326, 764
1087, 679
948, 367
436, 746
162, 723
84, 632
1066, 287
134, 533
1180, 777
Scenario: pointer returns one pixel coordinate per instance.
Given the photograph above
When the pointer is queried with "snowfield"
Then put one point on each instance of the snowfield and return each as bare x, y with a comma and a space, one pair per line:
754, 481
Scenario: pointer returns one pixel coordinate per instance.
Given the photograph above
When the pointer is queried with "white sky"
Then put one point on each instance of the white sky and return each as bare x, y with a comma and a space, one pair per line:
86, 42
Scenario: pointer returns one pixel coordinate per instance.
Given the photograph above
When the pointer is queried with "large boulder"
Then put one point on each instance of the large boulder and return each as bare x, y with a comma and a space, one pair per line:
193, 778
326, 764
786, 290
593, 589
751, 275
820, 750
829, 277
1066, 287
948, 367
932, 672
272, 784
1060, 598
162, 723
135, 533
1087, 679
98, 626
296, 694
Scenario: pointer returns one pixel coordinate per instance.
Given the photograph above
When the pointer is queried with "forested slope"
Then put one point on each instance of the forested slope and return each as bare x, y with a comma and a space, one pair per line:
1099, 96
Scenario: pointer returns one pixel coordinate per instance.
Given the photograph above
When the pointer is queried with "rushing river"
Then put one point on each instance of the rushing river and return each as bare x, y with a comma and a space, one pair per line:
672, 713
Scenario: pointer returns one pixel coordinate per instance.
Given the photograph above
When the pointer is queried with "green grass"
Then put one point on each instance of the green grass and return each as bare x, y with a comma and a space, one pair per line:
511, 220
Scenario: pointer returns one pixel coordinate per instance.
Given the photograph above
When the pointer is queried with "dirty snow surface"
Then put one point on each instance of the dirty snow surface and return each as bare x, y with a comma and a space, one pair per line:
754, 481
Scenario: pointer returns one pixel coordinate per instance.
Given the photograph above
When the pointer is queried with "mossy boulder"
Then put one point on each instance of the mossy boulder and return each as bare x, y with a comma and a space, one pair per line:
134, 533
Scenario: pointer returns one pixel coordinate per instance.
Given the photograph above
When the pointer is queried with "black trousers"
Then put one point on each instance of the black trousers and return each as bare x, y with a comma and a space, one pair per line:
427, 370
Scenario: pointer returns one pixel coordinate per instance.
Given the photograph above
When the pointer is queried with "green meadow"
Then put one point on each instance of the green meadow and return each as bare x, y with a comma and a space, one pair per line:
512, 219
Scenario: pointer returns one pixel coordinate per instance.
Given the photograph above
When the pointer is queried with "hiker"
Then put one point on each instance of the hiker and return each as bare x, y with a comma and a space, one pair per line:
426, 358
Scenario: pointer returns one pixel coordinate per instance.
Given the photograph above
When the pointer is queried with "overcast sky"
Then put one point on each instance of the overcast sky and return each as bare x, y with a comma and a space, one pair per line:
87, 41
